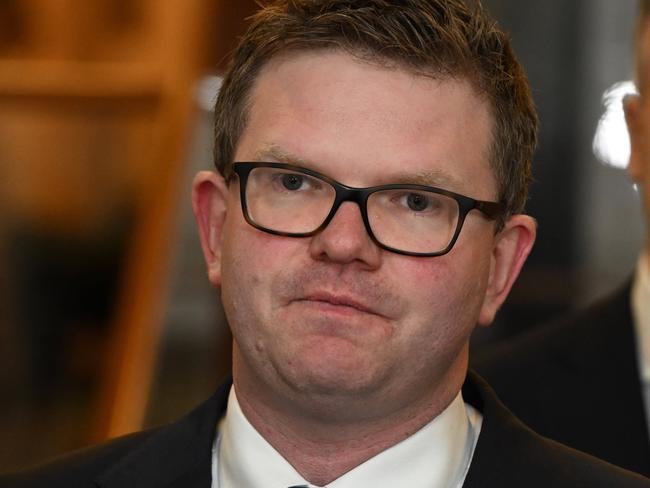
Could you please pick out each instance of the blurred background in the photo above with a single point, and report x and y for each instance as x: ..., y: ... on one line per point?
x: 107, y: 321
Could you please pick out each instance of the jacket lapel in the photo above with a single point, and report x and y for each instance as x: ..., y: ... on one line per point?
x: 491, y: 462
x: 175, y: 456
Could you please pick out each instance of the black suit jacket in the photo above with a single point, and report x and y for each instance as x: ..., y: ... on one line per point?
x: 578, y: 381
x: 507, y: 454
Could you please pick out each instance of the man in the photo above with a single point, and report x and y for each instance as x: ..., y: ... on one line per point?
x: 585, y: 380
x: 373, y: 159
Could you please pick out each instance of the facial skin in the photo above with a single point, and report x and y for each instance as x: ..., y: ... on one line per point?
x: 637, y: 114
x: 335, y: 338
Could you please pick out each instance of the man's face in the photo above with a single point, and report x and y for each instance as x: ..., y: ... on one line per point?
x: 333, y: 315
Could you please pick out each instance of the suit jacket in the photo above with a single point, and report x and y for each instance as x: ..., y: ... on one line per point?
x: 508, y: 454
x: 578, y: 381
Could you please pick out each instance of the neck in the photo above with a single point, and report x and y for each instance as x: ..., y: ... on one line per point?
x: 323, y: 442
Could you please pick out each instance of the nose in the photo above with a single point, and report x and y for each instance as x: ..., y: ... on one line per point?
x: 345, y: 239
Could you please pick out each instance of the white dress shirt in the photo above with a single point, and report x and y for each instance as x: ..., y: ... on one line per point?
x: 438, y: 455
x: 641, y: 318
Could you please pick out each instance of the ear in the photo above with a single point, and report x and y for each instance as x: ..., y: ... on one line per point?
x: 210, y: 204
x: 511, y: 248
x: 634, y: 120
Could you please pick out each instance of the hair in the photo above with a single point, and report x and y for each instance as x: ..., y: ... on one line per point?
x: 643, y: 21
x: 436, y: 38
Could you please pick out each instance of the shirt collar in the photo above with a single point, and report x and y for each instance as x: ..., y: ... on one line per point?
x: 436, y: 455
x: 641, y: 313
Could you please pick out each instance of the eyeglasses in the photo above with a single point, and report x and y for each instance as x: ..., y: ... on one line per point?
x: 410, y: 219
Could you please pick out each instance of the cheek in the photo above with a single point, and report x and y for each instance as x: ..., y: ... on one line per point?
x: 449, y: 289
x: 442, y: 298
x: 251, y: 262
x: 241, y: 291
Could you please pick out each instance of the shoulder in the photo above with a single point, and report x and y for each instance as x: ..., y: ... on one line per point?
x: 180, y: 451
x: 77, y: 468
x: 508, y: 453
x: 535, y: 461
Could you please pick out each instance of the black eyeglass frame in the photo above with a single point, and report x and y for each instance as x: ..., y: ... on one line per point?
x: 344, y: 193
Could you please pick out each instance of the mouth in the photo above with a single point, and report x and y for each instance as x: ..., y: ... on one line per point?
x: 336, y: 302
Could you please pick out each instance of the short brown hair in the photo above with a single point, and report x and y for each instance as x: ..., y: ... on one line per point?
x: 438, y: 38
x: 641, y: 64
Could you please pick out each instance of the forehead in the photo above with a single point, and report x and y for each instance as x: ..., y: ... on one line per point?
x: 357, y: 121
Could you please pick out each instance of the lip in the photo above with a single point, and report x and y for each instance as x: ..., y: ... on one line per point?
x: 339, y: 300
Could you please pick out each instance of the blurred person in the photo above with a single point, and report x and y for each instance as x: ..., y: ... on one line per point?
x: 584, y: 379
x: 373, y: 161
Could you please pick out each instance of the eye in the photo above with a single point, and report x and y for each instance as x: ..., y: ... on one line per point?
x: 417, y: 202
x: 292, y: 181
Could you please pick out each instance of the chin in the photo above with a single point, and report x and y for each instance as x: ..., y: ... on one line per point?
x: 334, y: 373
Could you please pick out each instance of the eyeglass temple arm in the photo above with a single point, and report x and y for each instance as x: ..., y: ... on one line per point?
x: 492, y: 210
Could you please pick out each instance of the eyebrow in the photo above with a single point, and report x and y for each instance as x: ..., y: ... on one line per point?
x: 433, y: 177
x: 274, y: 153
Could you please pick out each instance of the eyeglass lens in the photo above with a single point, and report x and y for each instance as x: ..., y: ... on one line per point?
x: 292, y: 202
